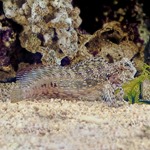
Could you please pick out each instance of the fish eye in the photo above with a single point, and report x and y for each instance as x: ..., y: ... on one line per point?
x: 126, y: 64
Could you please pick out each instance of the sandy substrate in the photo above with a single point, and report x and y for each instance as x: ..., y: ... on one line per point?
x: 66, y: 125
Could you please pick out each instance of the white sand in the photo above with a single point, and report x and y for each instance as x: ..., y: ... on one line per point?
x: 66, y: 125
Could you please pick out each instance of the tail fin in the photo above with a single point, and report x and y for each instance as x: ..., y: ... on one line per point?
x: 25, y: 79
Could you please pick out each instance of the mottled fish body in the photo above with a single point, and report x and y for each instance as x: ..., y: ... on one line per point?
x: 93, y: 79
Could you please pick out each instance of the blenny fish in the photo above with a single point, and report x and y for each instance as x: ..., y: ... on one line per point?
x: 92, y: 79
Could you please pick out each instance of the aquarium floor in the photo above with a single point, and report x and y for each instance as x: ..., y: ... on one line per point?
x: 71, y: 125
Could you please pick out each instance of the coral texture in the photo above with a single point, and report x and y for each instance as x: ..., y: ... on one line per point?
x: 49, y: 26
x: 7, y: 48
x: 111, y: 43
x: 147, y: 52
x: 93, y: 79
x: 7, y: 40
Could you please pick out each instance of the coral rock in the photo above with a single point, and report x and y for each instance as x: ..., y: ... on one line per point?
x: 111, y: 43
x: 7, y: 40
x: 49, y: 26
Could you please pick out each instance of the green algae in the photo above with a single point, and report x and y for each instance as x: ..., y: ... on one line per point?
x: 132, y: 89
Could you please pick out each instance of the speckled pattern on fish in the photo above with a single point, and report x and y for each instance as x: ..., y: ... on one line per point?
x: 93, y: 79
